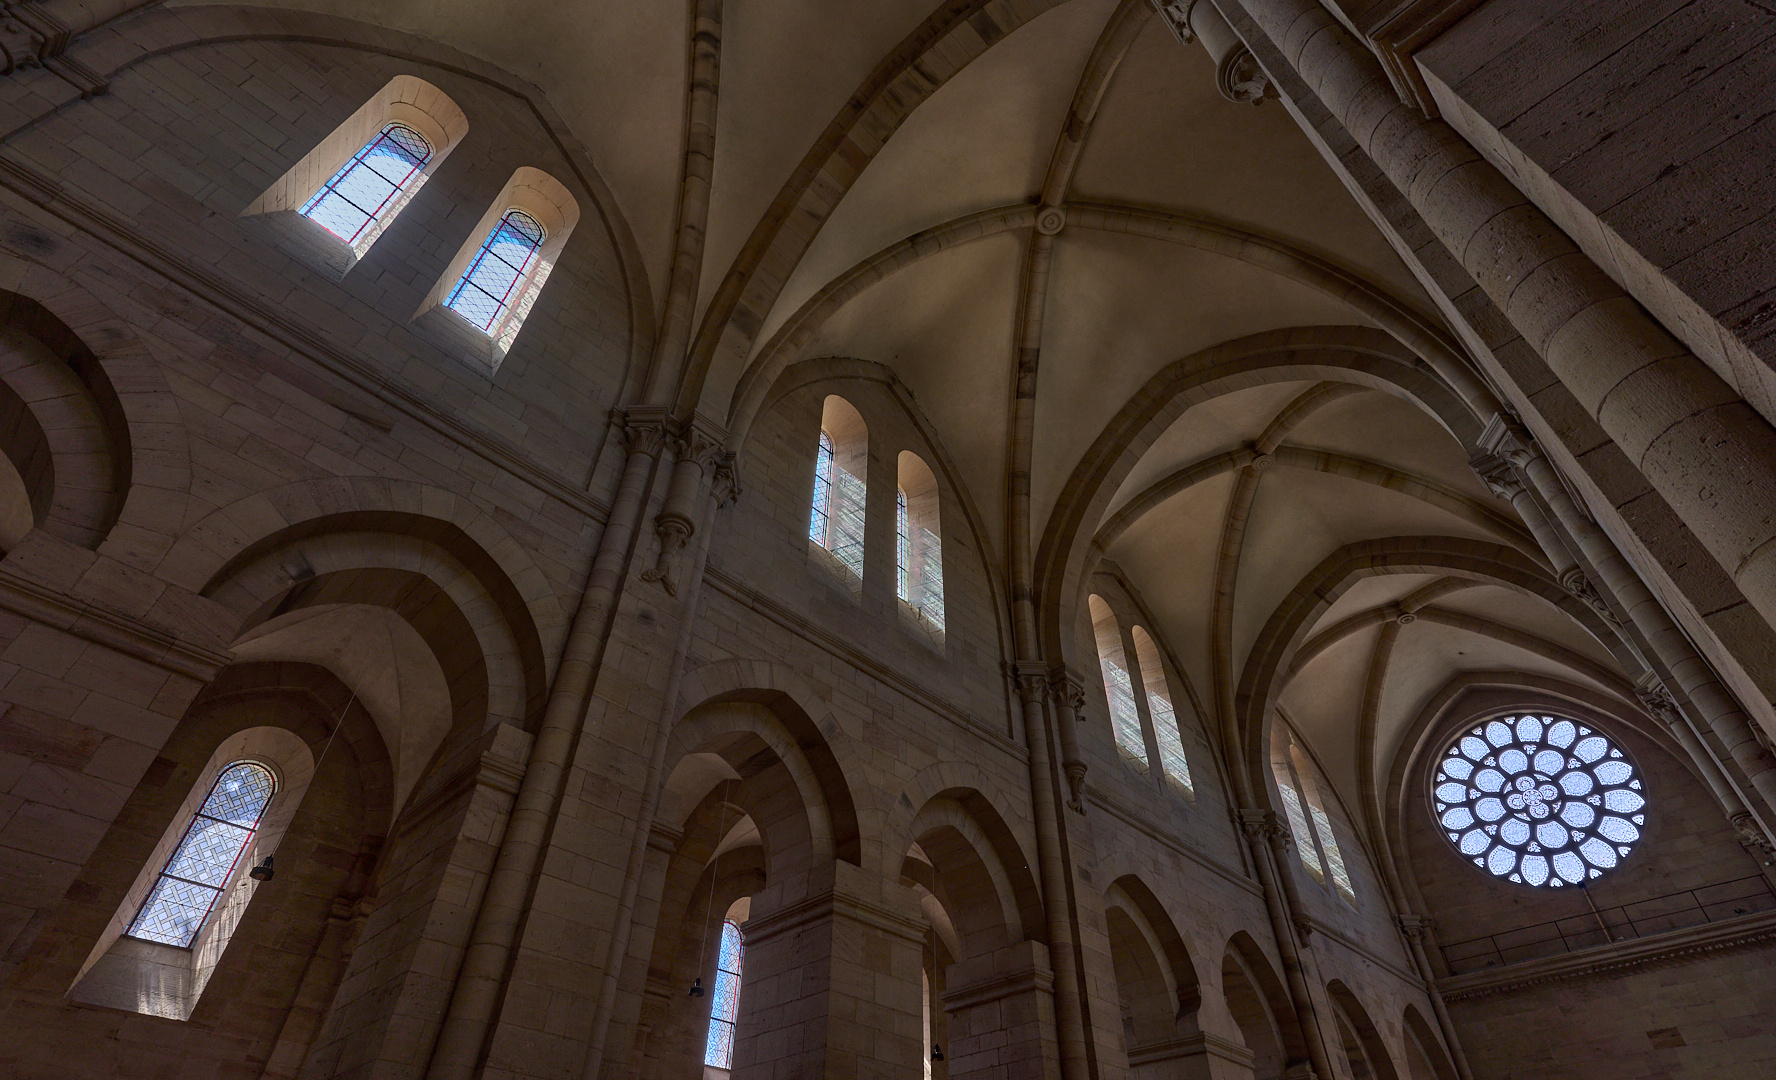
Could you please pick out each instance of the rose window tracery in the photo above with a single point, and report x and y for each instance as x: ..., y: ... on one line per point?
x: 1539, y: 800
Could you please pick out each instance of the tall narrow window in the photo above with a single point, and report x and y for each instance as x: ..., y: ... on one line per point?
x: 1300, y: 785
x: 329, y: 207
x: 1125, y: 716
x: 370, y: 189
x: 724, y: 1005
x: 920, y: 555
x: 903, y: 548
x: 836, y: 519
x: 1159, y: 706
x: 820, y: 521
x: 205, y: 862
x: 496, y: 278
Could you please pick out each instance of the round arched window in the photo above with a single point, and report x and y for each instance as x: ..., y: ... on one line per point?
x: 1539, y: 800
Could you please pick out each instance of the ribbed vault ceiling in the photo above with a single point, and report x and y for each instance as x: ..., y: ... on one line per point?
x: 1347, y: 466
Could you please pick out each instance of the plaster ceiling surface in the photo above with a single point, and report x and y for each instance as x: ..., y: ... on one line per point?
x: 1371, y: 592
x: 1325, y: 703
x: 1164, y: 137
x: 1395, y: 432
x: 982, y: 140
x: 1121, y: 308
x: 944, y: 332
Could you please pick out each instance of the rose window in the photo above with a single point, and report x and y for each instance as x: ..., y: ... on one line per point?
x: 1539, y: 800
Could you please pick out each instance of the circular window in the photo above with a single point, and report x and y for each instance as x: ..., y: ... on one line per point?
x: 1539, y: 800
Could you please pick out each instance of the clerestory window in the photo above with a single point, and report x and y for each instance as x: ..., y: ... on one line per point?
x: 919, y: 543
x: 208, y: 857
x: 1166, y: 732
x: 1300, y: 785
x: 835, y: 519
x: 724, y: 1004
x: 499, y: 277
x: 1119, y: 689
x: 364, y: 196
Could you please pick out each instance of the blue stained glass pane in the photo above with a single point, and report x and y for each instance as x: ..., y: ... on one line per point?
x: 903, y: 548
x: 823, y: 470
x: 200, y: 867
x: 724, y: 1004
x: 495, y: 278
x: 369, y: 184
x: 174, y: 911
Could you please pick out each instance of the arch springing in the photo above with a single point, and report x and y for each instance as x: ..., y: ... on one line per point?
x: 724, y: 1004
x: 208, y: 857
x: 1539, y: 800
x: 363, y: 197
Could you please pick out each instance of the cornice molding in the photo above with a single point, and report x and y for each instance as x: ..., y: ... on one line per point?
x: 1606, y: 961
x: 1130, y: 817
x: 126, y: 634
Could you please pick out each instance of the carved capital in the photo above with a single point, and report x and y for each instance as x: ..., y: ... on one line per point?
x: 1752, y: 838
x: 1176, y: 16
x: 644, y: 429
x: 1657, y: 700
x: 1264, y: 825
x: 20, y: 45
x: 1415, y: 928
x: 1029, y: 680
x: 1069, y: 692
x: 1498, y: 474
x: 1506, y: 438
x: 1574, y: 581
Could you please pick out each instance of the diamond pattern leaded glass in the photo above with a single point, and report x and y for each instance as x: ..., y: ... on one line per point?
x: 724, y: 1004
x: 492, y: 282
x: 818, y: 521
x: 371, y: 187
x: 205, y: 860
x: 1539, y: 800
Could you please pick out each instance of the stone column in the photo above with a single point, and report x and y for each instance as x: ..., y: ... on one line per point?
x: 1701, y: 447
x: 1269, y: 842
x: 1718, y: 709
x: 1414, y: 929
x: 1000, y: 1008
x: 830, y: 984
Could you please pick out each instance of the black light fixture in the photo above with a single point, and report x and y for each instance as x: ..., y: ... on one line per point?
x: 697, y: 987
x: 263, y: 872
x: 936, y: 1052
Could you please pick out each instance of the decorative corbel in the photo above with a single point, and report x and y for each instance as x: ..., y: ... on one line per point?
x: 697, y: 448
x: 1069, y: 695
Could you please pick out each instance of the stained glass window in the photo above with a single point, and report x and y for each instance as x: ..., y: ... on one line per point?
x: 1159, y: 707
x: 370, y: 190
x: 821, y: 519
x: 496, y: 279
x: 903, y: 548
x: 724, y: 1004
x: 1304, y: 796
x: 1539, y: 800
x: 204, y: 863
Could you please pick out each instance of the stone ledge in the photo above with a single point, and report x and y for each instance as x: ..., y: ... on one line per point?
x: 1676, y: 947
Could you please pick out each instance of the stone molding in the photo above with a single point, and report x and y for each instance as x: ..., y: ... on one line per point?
x: 809, y: 910
x: 133, y: 637
x: 998, y: 988
x: 1399, y: 29
x: 748, y: 597
x: 1605, y: 961
x: 1198, y: 1045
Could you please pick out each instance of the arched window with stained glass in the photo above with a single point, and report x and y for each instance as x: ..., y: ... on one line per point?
x: 497, y: 281
x: 207, y: 860
x: 1119, y: 689
x: 841, y: 462
x: 363, y: 197
x: 724, y: 1004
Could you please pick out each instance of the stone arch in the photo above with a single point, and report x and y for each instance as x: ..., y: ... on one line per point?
x: 1261, y: 1008
x: 1348, y: 354
x: 1365, y: 1051
x: 258, y: 523
x: 899, y: 830
x: 1425, y: 1057
x: 94, y: 431
x: 1155, y: 979
x: 1260, y: 681
x: 809, y: 732
x: 160, y: 31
